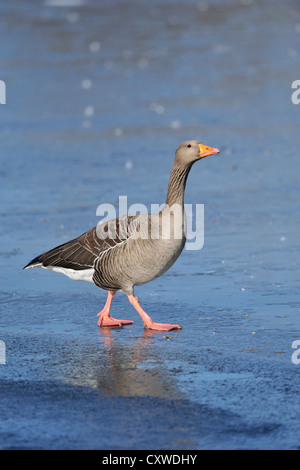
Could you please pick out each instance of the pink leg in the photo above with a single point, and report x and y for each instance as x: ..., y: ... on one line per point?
x: 148, y: 321
x: 105, y: 319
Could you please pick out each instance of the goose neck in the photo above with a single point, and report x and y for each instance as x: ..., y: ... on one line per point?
x: 177, y: 185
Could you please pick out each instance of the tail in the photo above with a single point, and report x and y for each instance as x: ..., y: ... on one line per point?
x: 34, y: 263
x: 70, y: 255
x: 49, y: 258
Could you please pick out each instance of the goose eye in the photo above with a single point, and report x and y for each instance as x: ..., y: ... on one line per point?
x: 189, y: 146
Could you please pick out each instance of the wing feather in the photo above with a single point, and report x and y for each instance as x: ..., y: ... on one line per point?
x: 82, y: 252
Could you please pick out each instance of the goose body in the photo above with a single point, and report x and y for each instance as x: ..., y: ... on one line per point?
x: 133, y: 249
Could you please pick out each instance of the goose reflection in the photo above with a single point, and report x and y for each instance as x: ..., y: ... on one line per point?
x: 136, y: 368
x: 133, y: 366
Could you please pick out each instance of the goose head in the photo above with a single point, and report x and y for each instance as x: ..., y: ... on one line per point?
x: 192, y: 150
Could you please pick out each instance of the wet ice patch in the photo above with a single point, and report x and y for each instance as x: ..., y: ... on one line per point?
x: 175, y: 124
x: 118, y: 131
x: 216, y: 376
x: 148, y: 364
x: 64, y: 3
x: 157, y: 108
x: 72, y: 17
x: 128, y: 165
x: 94, y: 46
x: 89, y: 110
x: 86, y: 83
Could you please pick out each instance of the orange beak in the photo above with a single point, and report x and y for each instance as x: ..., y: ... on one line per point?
x: 205, y: 151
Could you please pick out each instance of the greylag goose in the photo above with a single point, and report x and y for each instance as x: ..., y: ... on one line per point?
x: 132, y: 249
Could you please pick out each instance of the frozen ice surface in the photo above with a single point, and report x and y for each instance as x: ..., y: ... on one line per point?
x: 219, y: 71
